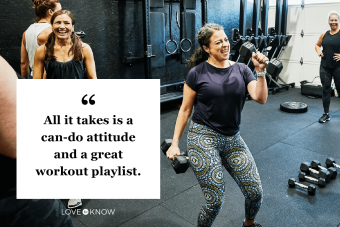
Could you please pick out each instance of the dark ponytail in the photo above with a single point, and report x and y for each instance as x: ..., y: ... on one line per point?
x: 204, y: 35
x: 76, y: 47
x: 49, y: 45
x: 198, y: 57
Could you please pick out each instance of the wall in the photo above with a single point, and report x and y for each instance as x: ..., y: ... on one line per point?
x: 113, y: 29
x: 312, y: 19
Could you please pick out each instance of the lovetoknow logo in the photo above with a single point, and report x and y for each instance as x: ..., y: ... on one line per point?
x: 88, y: 212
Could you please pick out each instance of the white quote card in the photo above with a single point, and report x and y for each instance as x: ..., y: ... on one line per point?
x: 88, y: 139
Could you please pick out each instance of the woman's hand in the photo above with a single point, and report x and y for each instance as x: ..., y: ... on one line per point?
x: 320, y: 54
x: 319, y: 44
x: 336, y: 57
x: 172, y: 152
x: 259, y: 61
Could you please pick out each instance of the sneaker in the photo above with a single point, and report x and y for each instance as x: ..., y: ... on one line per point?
x: 325, y: 117
x: 255, y: 224
x: 74, y: 203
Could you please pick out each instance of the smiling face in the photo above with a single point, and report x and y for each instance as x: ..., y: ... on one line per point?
x: 333, y: 22
x: 62, y: 26
x: 219, y: 46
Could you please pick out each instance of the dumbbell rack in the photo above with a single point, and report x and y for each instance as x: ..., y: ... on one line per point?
x: 278, y: 42
x: 154, y: 56
x: 263, y: 37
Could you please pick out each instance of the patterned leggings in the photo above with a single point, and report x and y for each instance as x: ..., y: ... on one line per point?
x: 208, y: 151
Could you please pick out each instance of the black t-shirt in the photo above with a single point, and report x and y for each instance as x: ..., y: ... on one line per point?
x: 220, y: 95
x: 331, y: 46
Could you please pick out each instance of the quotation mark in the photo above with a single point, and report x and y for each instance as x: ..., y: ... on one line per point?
x: 84, y: 101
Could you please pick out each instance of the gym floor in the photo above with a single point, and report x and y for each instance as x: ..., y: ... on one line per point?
x: 279, y: 142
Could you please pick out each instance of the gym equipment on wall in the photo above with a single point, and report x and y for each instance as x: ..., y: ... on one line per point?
x: 184, y: 37
x: 254, y: 31
x: 156, y: 3
x: 190, y: 4
x: 278, y: 42
x: 146, y: 36
x: 238, y: 35
x: 157, y: 39
x: 186, y: 48
x: 187, y: 33
x: 171, y: 40
x: 146, y: 44
x: 157, y: 50
x: 254, y: 34
x: 264, y: 26
x: 279, y: 32
x: 204, y: 12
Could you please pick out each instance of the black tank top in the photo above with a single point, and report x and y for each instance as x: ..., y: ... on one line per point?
x: 65, y: 70
x: 331, y: 45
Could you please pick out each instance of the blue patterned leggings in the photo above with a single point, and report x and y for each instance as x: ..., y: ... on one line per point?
x: 208, y: 151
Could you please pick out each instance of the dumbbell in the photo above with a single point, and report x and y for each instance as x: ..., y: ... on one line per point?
x: 321, y: 182
x: 180, y: 163
x: 310, y: 188
x: 305, y: 167
x: 330, y: 162
x: 274, y: 66
x: 317, y: 165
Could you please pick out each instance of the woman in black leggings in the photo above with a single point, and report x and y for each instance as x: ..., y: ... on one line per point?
x: 330, y: 65
x: 217, y: 88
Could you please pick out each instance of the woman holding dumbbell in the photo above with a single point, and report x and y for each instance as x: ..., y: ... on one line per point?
x: 64, y: 55
x: 330, y: 65
x: 217, y: 88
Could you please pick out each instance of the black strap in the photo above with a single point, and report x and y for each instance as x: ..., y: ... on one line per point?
x: 171, y: 39
x: 185, y: 37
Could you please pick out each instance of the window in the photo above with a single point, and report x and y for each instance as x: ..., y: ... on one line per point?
x: 320, y: 1
x: 298, y: 2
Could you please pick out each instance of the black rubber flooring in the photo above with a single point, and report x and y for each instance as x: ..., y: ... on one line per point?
x: 279, y: 142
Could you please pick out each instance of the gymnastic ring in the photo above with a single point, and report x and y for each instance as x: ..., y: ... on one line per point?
x: 180, y: 44
x: 166, y: 46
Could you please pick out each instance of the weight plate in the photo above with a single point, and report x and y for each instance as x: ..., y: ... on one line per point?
x: 294, y: 107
